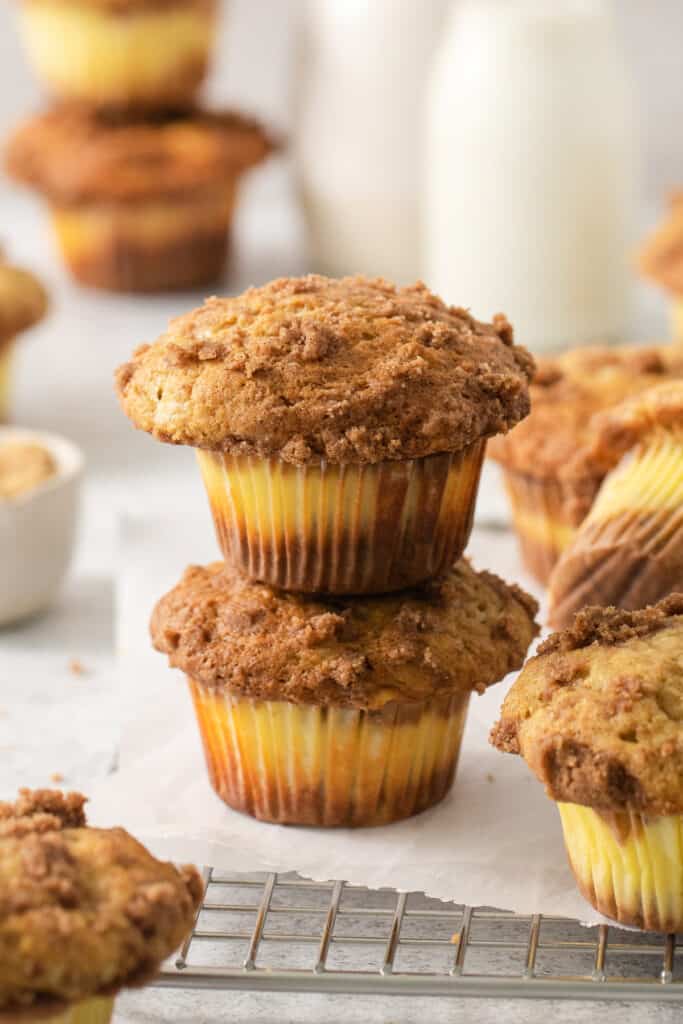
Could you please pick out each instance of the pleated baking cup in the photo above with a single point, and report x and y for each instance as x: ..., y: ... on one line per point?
x: 540, y: 521
x: 298, y: 764
x: 156, y: 56
x: 628, y: 552
x: 97, y: 1010
x: 6, y: 359
x: 347, y: 529
x: 148, y: 246
x: 630, y: 868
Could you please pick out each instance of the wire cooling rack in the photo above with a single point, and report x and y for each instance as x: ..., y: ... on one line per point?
x: 281, y: 933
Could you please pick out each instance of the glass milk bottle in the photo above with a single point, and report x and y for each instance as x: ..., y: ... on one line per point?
x: 529, y: 169
x: 358, y: 131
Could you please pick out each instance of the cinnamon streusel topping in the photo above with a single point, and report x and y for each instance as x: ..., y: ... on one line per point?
x: 83, y: 911
x: 457, y: 634
x: 350, y: 370
x: 598, y: 713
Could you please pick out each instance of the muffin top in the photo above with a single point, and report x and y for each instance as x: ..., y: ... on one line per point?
x: 568, y: 393
x: 457, y: 634
x: 661, y: 258
x: 616, y: 431
x: 598, y: 713
x: 24, y: 465
x: 83, y: 911
x: 131, y: 158
x: 351, y: 371
x: 23, y: 300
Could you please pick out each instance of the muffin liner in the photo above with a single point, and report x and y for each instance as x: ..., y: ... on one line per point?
x: 6, y: 356
x: 630, y: 868
x: 97, y: 1010
x: 299, y: 764
x: 148, y: 246
x: 540, y: 521
x: 628, y: 552
x: 154, y: 58
x: 348, y: 529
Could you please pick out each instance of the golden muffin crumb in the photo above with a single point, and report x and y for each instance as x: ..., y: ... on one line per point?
x: 24, y: 465
x: 351, y: 371
x: 83, y: 911
x: 598, y: 713
x: 139, y: 156
x: 457, y: 634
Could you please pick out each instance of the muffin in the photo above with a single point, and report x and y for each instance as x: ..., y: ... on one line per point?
x: 120, y: 54
x: 628, y: 551
x: 550, y: 486
x: 148, y: 203
x: 598, y: 717
x: 340, y: 425
x: 337, y: 712
x: 85, y: 911
x: 661, y: 260
x: 23, y: 303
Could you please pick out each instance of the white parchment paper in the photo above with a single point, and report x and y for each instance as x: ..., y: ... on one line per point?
x: 496, y: 840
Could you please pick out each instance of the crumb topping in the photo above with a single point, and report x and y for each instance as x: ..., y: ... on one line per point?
x: 460, y: 633
x: 351, y: 371
x: 568, y: 395
x: 83, y: 911
x: 132, y: 158
x: 598, y: 713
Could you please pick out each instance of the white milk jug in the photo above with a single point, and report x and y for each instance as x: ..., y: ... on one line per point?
x: 529, y: 169
x: 359, y: 131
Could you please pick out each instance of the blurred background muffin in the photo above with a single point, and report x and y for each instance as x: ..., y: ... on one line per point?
x: 331, y: 711
x: 661, y: 260
x: 148, y: 204
x: 120, y: 53
x: 340, y: 425
x: 549, y: 485
x: 85, y: 911
x: 628, y: 551
x: 23, y: 302
x: 598, y: 717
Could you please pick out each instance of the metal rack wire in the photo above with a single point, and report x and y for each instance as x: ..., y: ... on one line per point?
x: 281, y: 933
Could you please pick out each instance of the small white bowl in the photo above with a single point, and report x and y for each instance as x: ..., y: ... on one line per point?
x: 38, y: 530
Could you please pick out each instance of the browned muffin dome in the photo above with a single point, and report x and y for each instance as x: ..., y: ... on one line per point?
x: 136, y: 157
x: 461, y: 633
x: 83, y: 911
x: 598, y: 713
x: 350, y: 370
x: 567, y: 394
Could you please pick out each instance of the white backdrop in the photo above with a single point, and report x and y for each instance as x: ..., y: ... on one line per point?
x: 253, y: 63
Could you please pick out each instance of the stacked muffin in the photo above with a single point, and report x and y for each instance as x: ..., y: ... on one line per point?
x: 340, y: 427
x: 147, y: 202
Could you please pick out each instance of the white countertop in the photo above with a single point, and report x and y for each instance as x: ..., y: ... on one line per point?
x: 54, y: 721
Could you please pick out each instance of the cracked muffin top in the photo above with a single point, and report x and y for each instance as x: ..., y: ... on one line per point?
x: 350, y: 371
x: 23, y: 301
x: 457, y: 634
x: 131, y: 158
x: 83, y: 911
x: 598, y: 713
x: 568, y: 394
